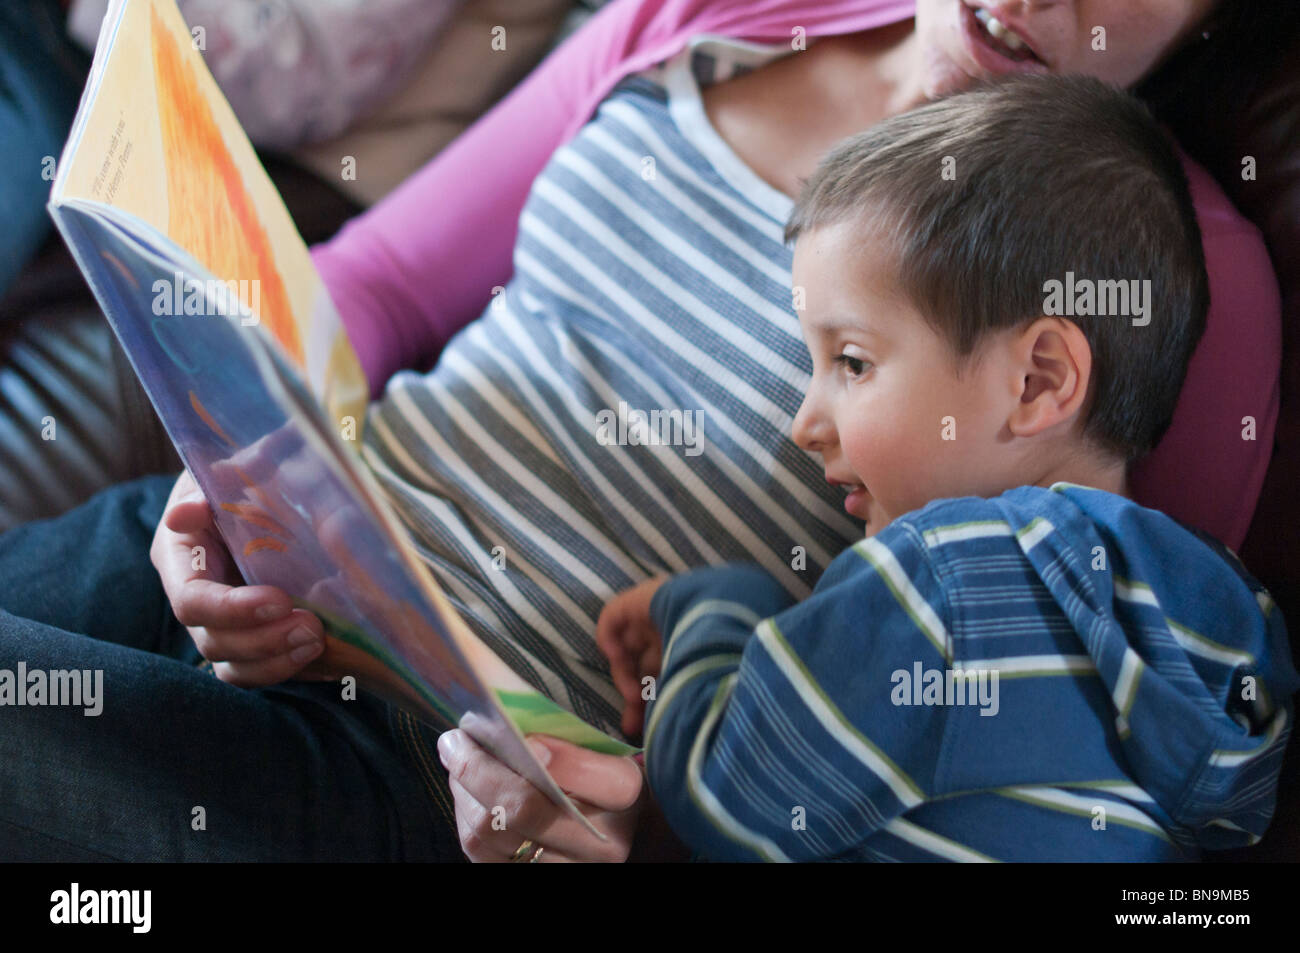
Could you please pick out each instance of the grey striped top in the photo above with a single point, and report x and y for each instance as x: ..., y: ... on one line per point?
x: 623, y: 407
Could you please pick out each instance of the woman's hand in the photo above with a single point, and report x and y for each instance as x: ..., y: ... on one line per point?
x: 252, y: 634
x: 608, y: 789
x: 628, y: 637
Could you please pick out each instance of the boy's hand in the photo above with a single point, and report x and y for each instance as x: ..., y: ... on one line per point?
x: 628, y: 637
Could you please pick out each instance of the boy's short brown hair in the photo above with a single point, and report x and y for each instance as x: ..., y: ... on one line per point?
x: 989, y: 195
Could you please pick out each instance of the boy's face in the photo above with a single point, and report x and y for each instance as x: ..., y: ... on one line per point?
x: 886, y: 410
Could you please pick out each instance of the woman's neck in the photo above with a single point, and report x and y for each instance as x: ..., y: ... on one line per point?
x: 887, y: 64
x: 783, y: 117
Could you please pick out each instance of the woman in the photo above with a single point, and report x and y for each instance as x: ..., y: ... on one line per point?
x: 648, y: 271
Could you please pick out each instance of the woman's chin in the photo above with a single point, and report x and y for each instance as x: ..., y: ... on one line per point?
x: 945, y: 72
x: 947, y: 83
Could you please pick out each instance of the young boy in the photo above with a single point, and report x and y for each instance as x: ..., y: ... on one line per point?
x: 1017, y: 662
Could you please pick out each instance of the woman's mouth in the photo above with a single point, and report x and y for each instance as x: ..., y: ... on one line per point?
x: 994, y: 46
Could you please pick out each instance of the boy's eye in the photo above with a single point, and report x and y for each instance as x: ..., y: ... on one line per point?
x: 856, y: 366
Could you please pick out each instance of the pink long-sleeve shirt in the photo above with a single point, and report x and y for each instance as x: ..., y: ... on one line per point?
x: 422, y: 263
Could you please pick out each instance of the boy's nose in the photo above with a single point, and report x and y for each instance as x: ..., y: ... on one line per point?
x: 810, y: 430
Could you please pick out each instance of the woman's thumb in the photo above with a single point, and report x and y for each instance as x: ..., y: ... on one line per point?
x: 190, y: 516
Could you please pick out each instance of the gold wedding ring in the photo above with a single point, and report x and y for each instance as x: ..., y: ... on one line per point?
x: 528, y: 853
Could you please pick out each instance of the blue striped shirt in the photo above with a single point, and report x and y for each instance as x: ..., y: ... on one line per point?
x: 649, y: 272
x: 1126, y: 693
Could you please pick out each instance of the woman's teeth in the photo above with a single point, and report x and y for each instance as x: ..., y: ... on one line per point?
x: 999, y: 32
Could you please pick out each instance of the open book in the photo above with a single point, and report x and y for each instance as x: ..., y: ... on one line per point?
x: 207, y: 284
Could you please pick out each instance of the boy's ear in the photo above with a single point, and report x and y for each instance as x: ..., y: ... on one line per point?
x: 1054, y: 364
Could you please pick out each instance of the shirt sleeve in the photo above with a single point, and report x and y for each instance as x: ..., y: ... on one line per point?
x: 422, y: 263
x: 794, y: 733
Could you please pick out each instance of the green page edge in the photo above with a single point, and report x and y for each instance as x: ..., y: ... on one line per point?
x: 534, y: 713
x: 530, y: 711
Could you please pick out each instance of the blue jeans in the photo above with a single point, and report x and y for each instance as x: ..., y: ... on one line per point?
x: 41, y: 76
x: 289, y: 772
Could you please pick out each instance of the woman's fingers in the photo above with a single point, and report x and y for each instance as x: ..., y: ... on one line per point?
x: 479, y: 839
x: 299, y: 633
x: 265, y: 654
x: 201, y: 601
x: 607, y: 782
x: 229, y: 626
x: 271, y: 671
x: 251, y: 634
x: 496, y: 798
x: 491, y: 833
x: 497, y: 810
x: 186, y: 547
x: 189, y: 516
x: 198, y: 574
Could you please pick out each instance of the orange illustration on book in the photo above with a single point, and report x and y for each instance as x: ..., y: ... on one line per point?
x: 227, y: 238
x: 249, y: 512
x: 255, y: 515
x: 261, y: 543
x: 122, y: 270
x: 208, y: 419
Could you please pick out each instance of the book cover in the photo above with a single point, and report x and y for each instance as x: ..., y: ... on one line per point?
x: 213, y: 295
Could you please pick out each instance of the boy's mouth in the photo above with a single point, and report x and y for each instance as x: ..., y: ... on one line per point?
x: 855, y: 503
